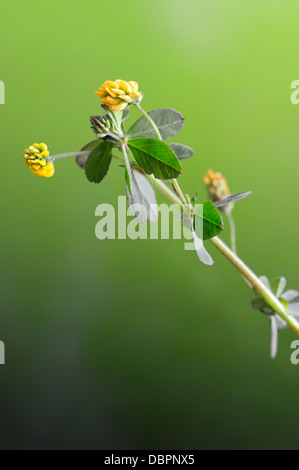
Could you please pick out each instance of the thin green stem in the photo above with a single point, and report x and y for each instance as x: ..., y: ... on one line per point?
x: 124, y: 148
x: 244, y: 270
x: 150, y: 121
x: 174, y: 181
x: 118, y: 157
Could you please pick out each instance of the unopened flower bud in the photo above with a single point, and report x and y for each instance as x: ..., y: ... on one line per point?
x: 100, y: 125
x: 216, y: 185
x: 119, y: 94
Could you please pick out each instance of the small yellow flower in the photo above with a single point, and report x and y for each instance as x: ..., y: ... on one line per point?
x: 119, y: 94
x: 36, y: 158
x: 216, y: 186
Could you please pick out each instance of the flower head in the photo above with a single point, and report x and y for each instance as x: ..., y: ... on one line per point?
x: 216, y: 185
x: 119, y: 94
x: 37, y: 159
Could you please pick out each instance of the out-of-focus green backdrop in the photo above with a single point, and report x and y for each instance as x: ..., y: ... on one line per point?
x: 135, y: 344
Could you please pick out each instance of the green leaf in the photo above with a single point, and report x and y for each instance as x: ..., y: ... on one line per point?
x: 155, y: 157
x: 182, y: 151
x: 168, y: 121
x: 81, y: 160
x: 284, y: 303
x: 231, y: 199
x: 207, y: 221
x: 98, y: 162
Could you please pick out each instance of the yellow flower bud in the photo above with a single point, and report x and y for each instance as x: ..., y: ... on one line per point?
x: 36, y: 158
x: 119, y: 94
x: 216, y: 186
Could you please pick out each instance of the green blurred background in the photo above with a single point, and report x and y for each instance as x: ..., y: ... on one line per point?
x: 135, y: 344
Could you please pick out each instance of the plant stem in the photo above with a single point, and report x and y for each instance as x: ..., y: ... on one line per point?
x: 174, y: 181
x: 244, y: 270
x: 232, y: 226
x: 124, y: 148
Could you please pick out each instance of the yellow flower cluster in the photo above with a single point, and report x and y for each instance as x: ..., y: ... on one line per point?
x: 119, y: 94
x: 216, y: 185
x: 36, y: 158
